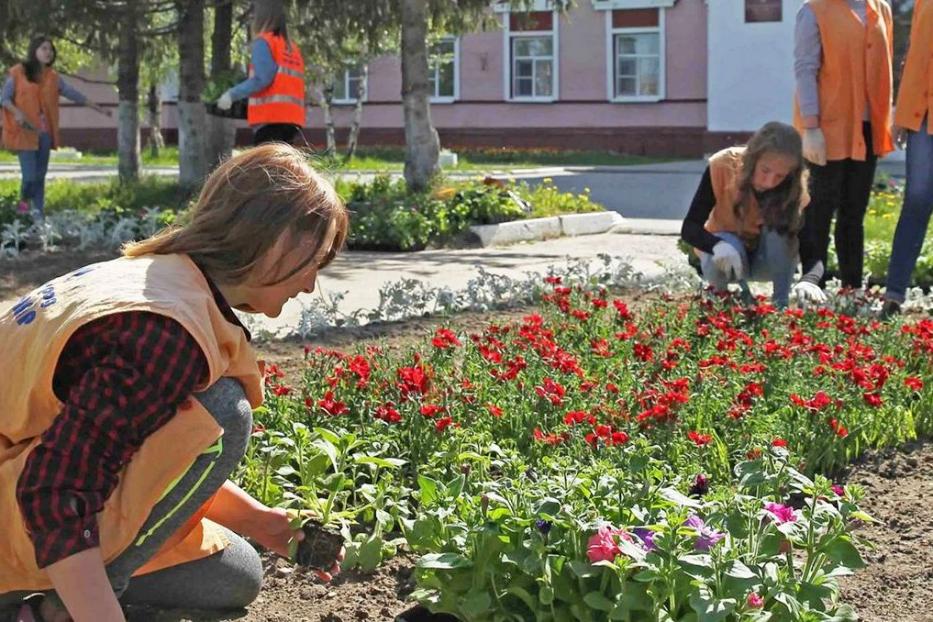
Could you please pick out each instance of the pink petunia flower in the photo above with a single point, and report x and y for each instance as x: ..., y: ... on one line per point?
x: 781, y: 513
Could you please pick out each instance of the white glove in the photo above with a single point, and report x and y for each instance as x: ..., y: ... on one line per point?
x: 225, y: 101
x: 807, y: 292
x: 814, y: 146
x: 728, y: 260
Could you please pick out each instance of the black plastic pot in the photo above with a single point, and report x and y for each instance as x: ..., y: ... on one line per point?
x: 421, y: 614
x: 237, y: 110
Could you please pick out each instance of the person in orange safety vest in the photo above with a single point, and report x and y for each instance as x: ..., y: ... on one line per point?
x: 276, y: 86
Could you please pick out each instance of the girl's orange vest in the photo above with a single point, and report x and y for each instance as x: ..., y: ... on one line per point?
x: 725, y: 171
x: 283, y: 101
x: 35, y: 330
x: 32, y: 98
x: 915, y: 95
x: 856, y: 63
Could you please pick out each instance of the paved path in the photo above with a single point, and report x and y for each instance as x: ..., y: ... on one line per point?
x: 661, y: 190
x: 362, y: 274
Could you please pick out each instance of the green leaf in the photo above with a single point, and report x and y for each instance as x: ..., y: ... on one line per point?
x: 678, y: 498
x: 370, y: 555
x: 596, y: 600
x: 329, y: 450
x: 843, y: 552
x: 739, y: 570
x: 476, y: 603
x: 428, y: 489
x: 523, y: 595
x: 710, y: 609
x: 546, y: 595
x: 384, y: 463
x: 443, y: 561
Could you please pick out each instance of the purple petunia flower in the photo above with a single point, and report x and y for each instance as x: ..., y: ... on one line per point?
x: 647, y: 538
x: 707, y: 537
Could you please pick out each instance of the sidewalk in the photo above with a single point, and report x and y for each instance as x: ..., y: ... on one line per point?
x: 362, y: 274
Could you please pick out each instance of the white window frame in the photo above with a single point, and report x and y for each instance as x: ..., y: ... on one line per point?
x: 609, y: 5
x: 447, y: 99
x: 611, y: 58
x: 346, y: 89
x: 508, y: 36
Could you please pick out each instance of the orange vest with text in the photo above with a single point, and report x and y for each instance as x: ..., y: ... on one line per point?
x: 915, y: 94
x: 283, y: 101
x: 34, y: 332
x: 725, y: 171
x: 32, y: 98
x: 856, y: 65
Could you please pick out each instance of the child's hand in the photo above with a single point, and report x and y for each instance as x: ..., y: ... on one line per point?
x: 273, y: 531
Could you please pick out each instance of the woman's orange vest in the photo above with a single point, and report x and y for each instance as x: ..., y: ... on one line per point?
x: 33, y: 333
x: 725, y: 171
x: 283, y: 101
x: 856, y: 64
x: 32, y: 98
x: 915, y: 94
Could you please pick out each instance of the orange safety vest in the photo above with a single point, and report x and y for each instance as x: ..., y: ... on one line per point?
x: 35, y: 330
x: 725, y: 171
x: 915, y: 94
x: 283, y: 101
x: 856, y: 62
x: 32, y: 98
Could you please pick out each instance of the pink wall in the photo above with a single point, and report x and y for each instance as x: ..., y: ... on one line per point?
x: 582, y: 76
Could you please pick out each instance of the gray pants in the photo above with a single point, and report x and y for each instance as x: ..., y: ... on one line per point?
x: 229, y: 579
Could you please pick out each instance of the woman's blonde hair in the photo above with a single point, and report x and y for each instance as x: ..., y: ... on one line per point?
x: 246, y: 206
x: 780, y: 207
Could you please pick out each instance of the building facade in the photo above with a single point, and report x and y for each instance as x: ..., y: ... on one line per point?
x: 655, y: 77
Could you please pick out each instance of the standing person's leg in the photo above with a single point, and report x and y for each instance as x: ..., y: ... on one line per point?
x: 42, y: 168
x: 776, y: 260
x: 27, y: 167
x: 275, y: 133
x: 711, y: 272
x: 915, y: 214
x: 825, y: 197
x: 850, y: 222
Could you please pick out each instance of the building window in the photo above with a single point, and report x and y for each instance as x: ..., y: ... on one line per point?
x: 763, y: 11
x: 532, y: 45
x: 637, y: 48
x: 347, y: 85
x: 443, y: 70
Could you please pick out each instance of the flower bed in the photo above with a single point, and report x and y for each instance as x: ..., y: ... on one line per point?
x: 595, y: 464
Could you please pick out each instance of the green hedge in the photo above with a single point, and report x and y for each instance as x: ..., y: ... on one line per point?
x: 384, y: 215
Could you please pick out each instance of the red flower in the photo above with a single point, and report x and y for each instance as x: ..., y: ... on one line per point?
x: 549, y: 439
x: 601, y: 348
x: 281, y: 390
x: 699, y: 439
x: 413, y: 380
x: 429, y: 410
x: 494, y: 410
x: 574, y: 417
x: 360, y: 366
x: 388, y: 413
x: 445, y: 338
x: 331, y: 406
x: 443, y: 423
x: 643, y: 352
x: 552, y: 391
x: 580, y: 314
x: 622, y: 309
x: 552, y: 280
x: 913, y: 383
x: 872, y: 399
x: 779, y: 442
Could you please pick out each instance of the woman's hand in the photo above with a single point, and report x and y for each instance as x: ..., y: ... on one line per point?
x: 273, y: 531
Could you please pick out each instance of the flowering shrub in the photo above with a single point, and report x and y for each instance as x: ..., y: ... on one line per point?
x: 597, y: 462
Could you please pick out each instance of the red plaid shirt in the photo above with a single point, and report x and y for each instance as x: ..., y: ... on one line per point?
x: 121, y: 378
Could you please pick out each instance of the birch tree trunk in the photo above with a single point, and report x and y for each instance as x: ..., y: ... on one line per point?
x: 354, y: 137
x: 192, y: 122
x: 422, y: 145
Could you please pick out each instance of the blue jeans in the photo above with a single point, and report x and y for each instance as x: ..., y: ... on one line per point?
x: 915, y: 213
x: 34, y: 165
x: 774, y: 260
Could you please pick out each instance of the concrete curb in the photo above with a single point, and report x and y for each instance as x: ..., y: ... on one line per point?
x: 546, y: 228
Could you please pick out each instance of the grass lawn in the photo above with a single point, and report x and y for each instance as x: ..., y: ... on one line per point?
x: 392, y: 159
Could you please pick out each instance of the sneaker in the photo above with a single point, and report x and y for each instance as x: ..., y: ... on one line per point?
x: 890, y: 309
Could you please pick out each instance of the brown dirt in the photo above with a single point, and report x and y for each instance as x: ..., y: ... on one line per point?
x: 897, y: 585
x: 20, y: 275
